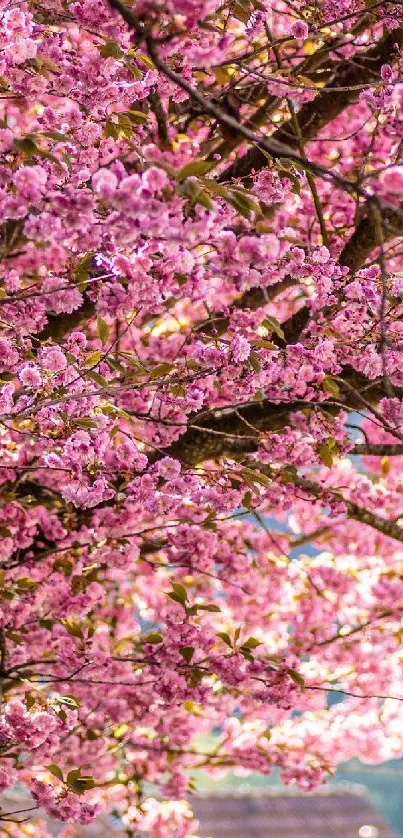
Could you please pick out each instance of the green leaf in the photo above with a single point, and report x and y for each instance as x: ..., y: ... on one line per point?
x: 110, y: 49
x: 133, y: 70
x: 138, y: 117
x: 272, y: 325
x: 85, y: 422
x: 330, y: 386
x: 64, y: 566
x: 216, y: 188
x: 187, y: 653
x: 16, y: 638
x: 288, y: 474
x: 247, y: 200
x: 296, y: 677
x: 26, y: 146
x: 191, y: 610
x: 286, y: 163
x: 143, y: 57
x: 252, y: 643
x: 247, y: 499
x: 77, y: 783
x: 80, y: 581
x: 56, y: 771
x: 247, y: 654
x: 25, y: 584
x: 153, y: 637
x: 196, y: 677
x: 178, y: 390
x: 180, y: 590
x: 5, y: 532
x: 255, y: 476
x: 197, y: 167
x: 241, y: 10
x: 240, y: 203
x: 325, y: 454
x: 84, y: 266
x: 73, y: 627
x: 254, y: 361
x: 56, y: 135
x: 98, y: 378
x: 176, y: 598
x: 67, y: 159
x: 209, y: 607
x: 115, y: 365
x: 30, y: 701
x: 111, y: 129
x: 47, y: 623
x: 73, y: 775
x: 93, y: 359
x: 203, y: 199
x: 161, y: 370
x: 261, y: 343
x: 103, y: 329
x: 225, y: 637
x: 68, y: 700
x: 109, y: 409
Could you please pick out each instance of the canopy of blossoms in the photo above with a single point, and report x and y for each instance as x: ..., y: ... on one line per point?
x: 201, y: 399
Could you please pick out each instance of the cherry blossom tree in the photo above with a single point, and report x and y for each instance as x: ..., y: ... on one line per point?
x: 201, y: 399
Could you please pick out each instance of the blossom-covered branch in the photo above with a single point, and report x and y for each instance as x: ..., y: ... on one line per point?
x: 201, y: 304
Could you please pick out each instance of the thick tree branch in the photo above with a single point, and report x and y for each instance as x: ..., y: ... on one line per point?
x: 229, y: 432
x: 364, y: 68
x: 361, y: 242
x: 380, y: 449
x: 358, y: 513
x: 235, y: 431
x: 354, y: 511
x: 353, y: 256
x: 314, y: 67
x: 271, y: 145
x: 364, y: 239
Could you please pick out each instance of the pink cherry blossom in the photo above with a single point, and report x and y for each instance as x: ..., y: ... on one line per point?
x: 201, y: 399
x: 299, y: 29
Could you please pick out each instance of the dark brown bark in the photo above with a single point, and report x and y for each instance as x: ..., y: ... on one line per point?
x: 364, y: 239
x: 59, y: 325
x: 237, y: 431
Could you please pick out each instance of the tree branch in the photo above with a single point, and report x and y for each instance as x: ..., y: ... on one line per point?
x: 354, y: 511
x: 385, y: 449
x: 313, y: 116
x: 313, y: 67
x: 272, y: 145
x: 239, y: 430
x: 364, y: 238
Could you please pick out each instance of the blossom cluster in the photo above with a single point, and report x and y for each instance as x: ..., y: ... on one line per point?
x: 200, y: 374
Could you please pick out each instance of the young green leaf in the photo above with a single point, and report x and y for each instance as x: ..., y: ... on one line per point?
x: 103, y: 330
x: 195, y: 168
x: 187, y: 653
x: 56, y: 771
